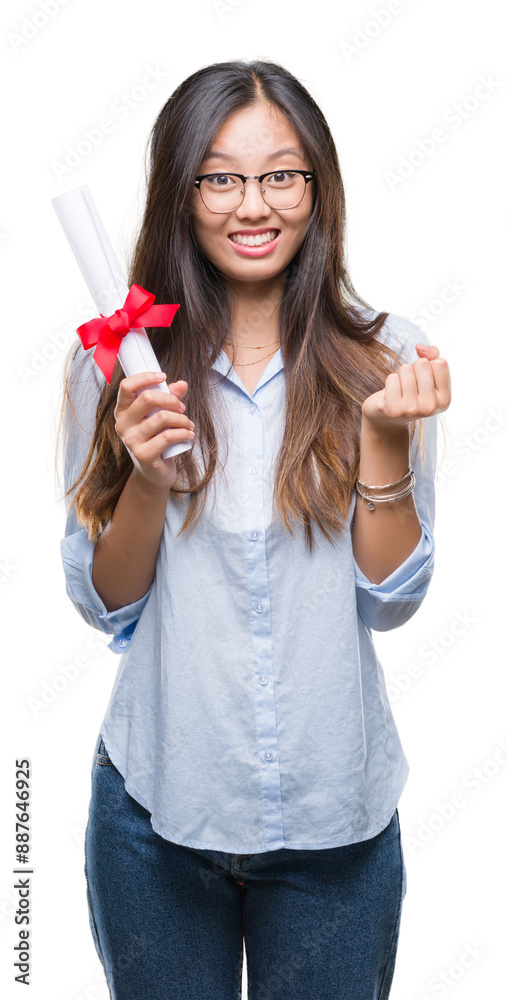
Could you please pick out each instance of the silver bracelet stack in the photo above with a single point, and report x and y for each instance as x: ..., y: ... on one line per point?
x: 403, y: 491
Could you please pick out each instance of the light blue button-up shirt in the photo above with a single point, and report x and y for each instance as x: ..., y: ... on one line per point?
x: 249, y: 710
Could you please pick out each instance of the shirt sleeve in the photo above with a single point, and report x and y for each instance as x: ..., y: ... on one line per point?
x: 389, y: 604
x: 77, y: 550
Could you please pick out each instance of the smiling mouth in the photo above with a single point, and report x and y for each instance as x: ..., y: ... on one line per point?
x: 255, y: 241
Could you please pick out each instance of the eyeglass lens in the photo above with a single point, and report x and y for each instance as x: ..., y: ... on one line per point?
x: 224, y: 192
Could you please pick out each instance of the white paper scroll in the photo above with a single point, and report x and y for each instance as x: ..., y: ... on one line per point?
x: 101, y: 270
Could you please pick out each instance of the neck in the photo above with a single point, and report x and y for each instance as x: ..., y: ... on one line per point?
x: 255, y: 308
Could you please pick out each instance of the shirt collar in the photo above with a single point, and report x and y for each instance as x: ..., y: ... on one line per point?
x: 222, y: 364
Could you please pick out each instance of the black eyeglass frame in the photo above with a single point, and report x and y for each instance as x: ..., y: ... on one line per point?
x: 308, y: 175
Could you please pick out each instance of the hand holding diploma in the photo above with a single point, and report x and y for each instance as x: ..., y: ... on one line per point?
x: 144, y: 436
x: 120, y: 333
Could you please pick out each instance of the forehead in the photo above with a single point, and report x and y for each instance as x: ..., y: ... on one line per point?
x: 254, y: 133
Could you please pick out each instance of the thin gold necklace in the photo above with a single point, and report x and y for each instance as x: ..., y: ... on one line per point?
x: 245, y: 364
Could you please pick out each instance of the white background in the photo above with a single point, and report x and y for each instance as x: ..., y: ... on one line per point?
x: 441, y: 227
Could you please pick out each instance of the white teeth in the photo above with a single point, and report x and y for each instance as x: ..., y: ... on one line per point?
x: 254, y: 241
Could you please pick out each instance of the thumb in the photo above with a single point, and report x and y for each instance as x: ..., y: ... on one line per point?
x: 427, y: 351
x: 178, y: 388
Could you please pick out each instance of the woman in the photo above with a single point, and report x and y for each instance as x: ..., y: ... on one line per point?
x: 247, y: 772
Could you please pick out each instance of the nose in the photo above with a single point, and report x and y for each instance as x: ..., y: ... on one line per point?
x: 253, y: 205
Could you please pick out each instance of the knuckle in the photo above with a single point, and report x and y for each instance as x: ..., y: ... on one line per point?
x: 161, y: 417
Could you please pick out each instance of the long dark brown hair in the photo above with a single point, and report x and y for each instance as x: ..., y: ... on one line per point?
x: 332, y: 359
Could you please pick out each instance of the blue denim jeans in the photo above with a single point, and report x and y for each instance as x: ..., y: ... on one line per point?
x: 169, y: 921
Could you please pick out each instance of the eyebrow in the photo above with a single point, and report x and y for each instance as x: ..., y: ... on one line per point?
x: 217, y: 154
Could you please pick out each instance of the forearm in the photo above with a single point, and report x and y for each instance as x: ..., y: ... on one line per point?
x: 383, y: 538
x: 126, y: 553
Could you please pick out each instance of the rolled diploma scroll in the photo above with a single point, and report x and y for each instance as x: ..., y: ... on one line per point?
x: 101, y: 270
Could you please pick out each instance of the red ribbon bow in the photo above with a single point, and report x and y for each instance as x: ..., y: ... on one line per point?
x: 107, y: 332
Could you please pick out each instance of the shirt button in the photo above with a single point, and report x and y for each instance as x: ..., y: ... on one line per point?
x: 122, y: 642
x: 254, y: 535
x: 259, y: 608
x: 252, y: 408
x: 268, y: 755
x: 263, y: 680
x: 252, y: 470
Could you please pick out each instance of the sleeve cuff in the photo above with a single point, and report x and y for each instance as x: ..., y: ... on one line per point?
x: 77, y: 555
x: 408, y: 581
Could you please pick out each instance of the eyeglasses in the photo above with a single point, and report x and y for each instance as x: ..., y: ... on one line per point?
x: 281, y: 189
